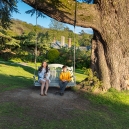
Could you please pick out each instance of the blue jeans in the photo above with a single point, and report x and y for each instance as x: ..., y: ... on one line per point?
x: 62, y: 86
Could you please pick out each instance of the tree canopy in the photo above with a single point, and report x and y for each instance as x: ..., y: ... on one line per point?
x: 7, y: 7
x: 56, y: 25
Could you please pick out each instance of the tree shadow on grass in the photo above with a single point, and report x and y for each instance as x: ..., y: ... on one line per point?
x: 9, y: 82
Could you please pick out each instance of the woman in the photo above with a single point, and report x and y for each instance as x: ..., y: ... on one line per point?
x: 43, y: 77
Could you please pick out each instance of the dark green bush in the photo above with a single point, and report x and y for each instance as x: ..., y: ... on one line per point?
x: 52, y: 55
x: 7, y: 55
x: 41, y: 58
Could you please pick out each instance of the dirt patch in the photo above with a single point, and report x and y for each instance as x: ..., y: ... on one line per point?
x: 47, y: 107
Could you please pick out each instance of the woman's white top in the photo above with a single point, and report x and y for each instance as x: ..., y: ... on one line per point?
x: 41, y: 75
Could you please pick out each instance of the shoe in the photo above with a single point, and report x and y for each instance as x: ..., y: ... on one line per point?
x: 42, y: 94
x: 61, y: 94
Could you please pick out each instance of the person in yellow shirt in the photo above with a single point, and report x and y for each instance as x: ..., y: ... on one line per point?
x: 65, y: 78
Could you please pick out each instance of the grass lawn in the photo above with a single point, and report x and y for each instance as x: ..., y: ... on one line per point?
x: 15, y: 75
x: 79, y: 77
x: 108, y: 111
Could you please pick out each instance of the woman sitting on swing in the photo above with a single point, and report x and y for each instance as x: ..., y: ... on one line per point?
x: 43, y: 77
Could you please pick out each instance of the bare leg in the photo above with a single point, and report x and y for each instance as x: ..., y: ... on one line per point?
x: 42, y: 86
x: 47, y: 85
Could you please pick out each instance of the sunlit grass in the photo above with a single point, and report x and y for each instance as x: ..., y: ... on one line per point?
x: 113, y: 99
x: 79, y: 77
x: 14, y: 75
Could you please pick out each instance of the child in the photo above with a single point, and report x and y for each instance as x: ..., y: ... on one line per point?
x: 65, y: 78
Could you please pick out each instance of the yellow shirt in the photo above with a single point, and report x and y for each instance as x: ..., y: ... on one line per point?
x: 65, y: 76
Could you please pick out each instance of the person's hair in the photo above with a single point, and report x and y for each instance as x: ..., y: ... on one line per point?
x: 41, y: 67
x: 64, y: 66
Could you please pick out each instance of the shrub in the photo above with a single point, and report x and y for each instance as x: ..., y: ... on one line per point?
x: 7, y: 55
x: 41, y: 58
x: 91, y: 80
x: 52, y: 55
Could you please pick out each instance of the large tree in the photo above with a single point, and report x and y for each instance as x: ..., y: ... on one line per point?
x: 110, y: 22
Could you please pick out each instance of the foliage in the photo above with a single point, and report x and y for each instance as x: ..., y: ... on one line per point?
x: 82, y: 57
x: 52, y: 55
x: 56, y: 25
x: 65, y: 57
x: 86, y: 1
x: 7, y: 7
x: 91, y: 80
x: 43, y: 42
x: 85, y: 39
x: 34, y: 11
x: 7, y: 42
x: 23, y: 37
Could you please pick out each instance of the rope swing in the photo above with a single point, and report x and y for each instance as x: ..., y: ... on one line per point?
x: 74, y: 57
x: 35, y: 53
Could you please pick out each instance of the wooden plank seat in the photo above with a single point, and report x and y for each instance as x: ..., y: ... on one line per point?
x: 55, y: 70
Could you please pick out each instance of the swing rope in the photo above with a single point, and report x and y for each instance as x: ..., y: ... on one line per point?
x: 36, y: 44
x: 74, y: 55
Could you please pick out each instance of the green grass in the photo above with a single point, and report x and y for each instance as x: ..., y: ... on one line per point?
x: 79, y: 74
x: 113, y: 99
x: 79, y: 71
x: 13, y: 116
x: 79, y: 77
x: 14, y: 75
x: 106, y: 111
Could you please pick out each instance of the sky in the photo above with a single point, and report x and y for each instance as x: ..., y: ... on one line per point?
x: 22, y: 7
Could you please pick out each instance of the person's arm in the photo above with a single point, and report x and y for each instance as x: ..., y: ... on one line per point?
x: 40, y: 75
x: 48, y: 74
x: 61, y: 77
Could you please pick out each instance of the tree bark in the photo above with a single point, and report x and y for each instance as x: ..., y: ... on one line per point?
x: 98, y: 60
x: 110, y: 46
x: 63, y: 11
x: 114, y: 33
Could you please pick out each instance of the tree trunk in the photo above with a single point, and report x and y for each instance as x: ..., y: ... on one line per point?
x: 98, y: 60
x: 110, y: 46
x: 114, y: 33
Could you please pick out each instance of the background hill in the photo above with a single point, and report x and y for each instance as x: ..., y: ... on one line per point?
x: 20, y: 27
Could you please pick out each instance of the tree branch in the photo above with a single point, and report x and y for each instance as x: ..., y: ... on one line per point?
x: 63, y: 11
